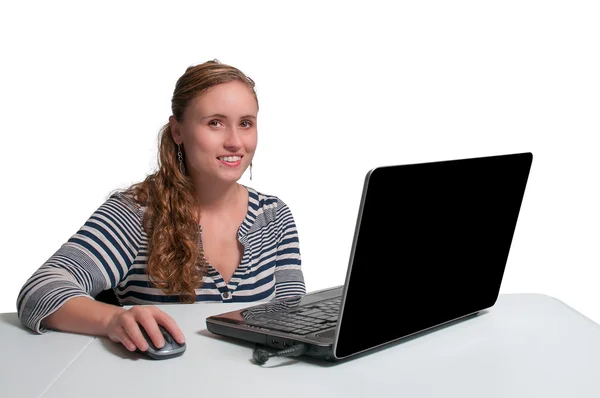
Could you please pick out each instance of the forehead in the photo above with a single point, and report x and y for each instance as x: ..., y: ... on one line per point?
x: 231, y: 98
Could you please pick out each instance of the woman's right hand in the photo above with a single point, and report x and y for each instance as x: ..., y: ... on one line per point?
x: 124, y: 327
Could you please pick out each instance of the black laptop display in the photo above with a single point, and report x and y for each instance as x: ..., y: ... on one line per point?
x: 431, y: 244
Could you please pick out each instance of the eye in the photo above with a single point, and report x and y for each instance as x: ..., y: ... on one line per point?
x: 246, y: 123
x: 215, y: 123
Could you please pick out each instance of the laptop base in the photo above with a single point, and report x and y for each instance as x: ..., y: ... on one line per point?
x: 271, y: 342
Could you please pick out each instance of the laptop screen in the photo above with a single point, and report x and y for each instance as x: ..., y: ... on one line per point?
x: 431, y: 247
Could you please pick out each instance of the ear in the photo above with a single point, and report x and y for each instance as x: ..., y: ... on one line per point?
x: 175, y: 130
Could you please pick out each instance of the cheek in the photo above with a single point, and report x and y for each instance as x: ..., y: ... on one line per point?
x: 202, y: 142
x: 250, y: 142
x: 199, y: 149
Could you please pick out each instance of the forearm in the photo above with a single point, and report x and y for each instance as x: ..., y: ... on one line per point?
x: 82, y: 315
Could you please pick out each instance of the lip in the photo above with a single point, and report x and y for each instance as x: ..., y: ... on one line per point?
x: 229, y: 164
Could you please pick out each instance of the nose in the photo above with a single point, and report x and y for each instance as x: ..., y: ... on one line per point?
x: 232, y: 139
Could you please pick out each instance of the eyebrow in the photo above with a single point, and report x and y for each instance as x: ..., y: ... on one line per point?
x: 219, y: 115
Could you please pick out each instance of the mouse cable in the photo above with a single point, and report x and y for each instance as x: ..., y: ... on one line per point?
x: 261, y: 355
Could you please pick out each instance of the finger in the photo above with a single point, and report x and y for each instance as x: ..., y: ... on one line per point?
x: 119, y: 335
x: 150, y: 325
x: 126, y: 341
x: 135, y: 334
x: 169, y: 323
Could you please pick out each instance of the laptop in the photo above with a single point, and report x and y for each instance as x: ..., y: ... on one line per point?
x: 430, y: 247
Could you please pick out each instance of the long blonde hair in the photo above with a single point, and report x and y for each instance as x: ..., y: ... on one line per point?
x: 176, y: 263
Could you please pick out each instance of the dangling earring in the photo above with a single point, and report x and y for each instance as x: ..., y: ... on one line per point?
x: 180, y: 158
x: 250, y: 171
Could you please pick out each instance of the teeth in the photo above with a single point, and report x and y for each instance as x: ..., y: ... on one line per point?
x: 230, y: 159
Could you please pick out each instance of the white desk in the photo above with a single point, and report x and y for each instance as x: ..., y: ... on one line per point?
x: 30, y: 363
x: 527, y: 345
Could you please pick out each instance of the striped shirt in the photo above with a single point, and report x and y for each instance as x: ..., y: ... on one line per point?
x: 110, y: 251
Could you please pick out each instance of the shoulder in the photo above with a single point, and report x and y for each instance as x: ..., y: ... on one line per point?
x: 123, y: 203
x: 268, y: 204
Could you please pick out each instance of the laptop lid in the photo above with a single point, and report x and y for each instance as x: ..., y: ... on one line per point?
x: 431, y: 245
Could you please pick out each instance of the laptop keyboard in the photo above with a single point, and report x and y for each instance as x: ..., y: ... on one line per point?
x: 301, y: 320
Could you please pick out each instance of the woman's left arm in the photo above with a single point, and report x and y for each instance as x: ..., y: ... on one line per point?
x: 289, y: 279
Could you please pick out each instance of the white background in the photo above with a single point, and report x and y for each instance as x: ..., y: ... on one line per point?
x: 343, y: 87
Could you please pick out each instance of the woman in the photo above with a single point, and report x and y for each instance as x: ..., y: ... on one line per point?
x: 187, y: 233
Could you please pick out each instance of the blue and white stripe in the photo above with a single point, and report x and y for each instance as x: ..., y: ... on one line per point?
x: 111, y: 249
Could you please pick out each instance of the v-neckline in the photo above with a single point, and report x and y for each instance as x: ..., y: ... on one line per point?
x: 242, y: 232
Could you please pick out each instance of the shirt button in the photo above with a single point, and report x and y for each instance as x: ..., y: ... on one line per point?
x: 225, y: 295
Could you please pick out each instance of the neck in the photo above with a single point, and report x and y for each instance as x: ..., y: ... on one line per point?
x: 217, y: 196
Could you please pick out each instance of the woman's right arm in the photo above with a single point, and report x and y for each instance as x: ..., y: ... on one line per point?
x: 83, y: 315
x: 59, y: 295
x: 87, y: 316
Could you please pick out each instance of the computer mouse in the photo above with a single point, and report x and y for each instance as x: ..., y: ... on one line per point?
x: 171, y: 349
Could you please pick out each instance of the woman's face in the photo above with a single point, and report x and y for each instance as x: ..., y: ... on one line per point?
x: 218, y: 132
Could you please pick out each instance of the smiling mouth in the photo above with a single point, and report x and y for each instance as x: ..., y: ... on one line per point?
x: 229, y: 159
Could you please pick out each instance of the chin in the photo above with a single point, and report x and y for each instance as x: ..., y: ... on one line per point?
x: 229, y: 177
